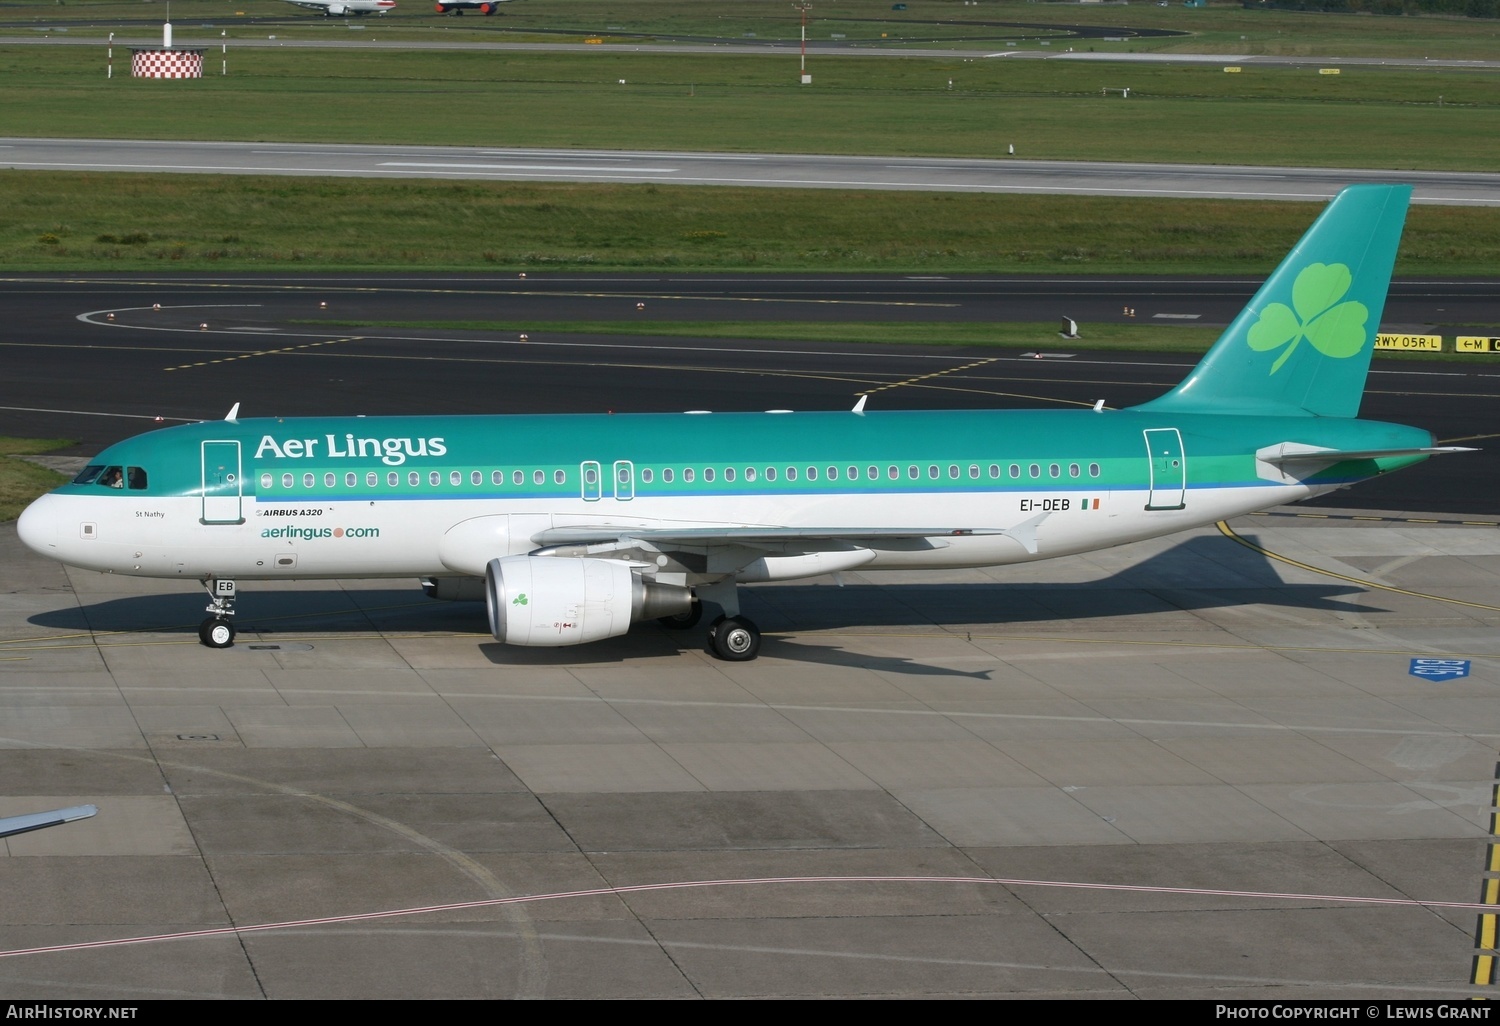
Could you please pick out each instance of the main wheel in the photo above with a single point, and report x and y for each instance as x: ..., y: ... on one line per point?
x: 682, y: 621
x: 735, y: 639
x: 216, y: 632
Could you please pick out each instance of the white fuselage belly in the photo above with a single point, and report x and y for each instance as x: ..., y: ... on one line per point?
x: 395, y: 538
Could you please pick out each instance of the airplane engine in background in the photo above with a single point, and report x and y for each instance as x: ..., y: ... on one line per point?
x: 336, y: 10
x: 550, y: 601
x: 454, y: 589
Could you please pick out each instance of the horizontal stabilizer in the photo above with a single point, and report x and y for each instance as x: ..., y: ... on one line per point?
x: 1294, y: 452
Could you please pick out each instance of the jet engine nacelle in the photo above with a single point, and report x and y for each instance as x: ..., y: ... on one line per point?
x: 550, y: 601
x: 337, y: 10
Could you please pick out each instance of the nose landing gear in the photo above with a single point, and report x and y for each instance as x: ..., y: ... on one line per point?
x: 217, y: 631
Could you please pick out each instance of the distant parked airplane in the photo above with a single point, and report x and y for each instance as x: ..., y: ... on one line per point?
x: 457, y: 7
x: 342, y: 8
x: 573, y: 527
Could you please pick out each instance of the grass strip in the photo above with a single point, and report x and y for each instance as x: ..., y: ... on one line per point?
x: 1226, y: 28
x: 1143, y: 337
x: 1017, y: 335
x: 77, y: 222
x: 21, y: 481
x: 1053, y: 110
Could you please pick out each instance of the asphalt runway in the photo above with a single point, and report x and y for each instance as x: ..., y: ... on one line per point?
x: 76, y: 373
x: 1199, y: 767
x: 771, y: 170
x: 815, y: 48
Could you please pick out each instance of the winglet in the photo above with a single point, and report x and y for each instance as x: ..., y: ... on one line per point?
x: 859, y: 407
x: 234, y: 413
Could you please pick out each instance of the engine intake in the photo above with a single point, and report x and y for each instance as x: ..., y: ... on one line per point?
x: 551, y: 601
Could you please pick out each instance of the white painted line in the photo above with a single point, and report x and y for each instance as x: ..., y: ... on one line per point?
x: 529, y: 167
x: 1176, y: 317
x: 95, y: 413
x: 88, y: 318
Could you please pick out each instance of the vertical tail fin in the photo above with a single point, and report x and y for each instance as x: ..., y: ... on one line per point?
x: 1302, y: 346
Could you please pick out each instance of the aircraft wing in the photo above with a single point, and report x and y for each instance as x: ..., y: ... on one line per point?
x: 745, y: 535
x: 599, y: 540
x: 12, y: 825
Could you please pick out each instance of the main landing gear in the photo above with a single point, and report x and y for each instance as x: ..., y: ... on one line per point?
x: 217, y: 631
x: 731, y: 637
x: 735, y: 639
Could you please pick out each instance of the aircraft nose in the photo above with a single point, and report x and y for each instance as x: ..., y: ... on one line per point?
x: 38, y: 526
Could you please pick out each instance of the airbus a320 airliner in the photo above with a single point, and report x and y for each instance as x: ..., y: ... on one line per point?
x: 574, y: 527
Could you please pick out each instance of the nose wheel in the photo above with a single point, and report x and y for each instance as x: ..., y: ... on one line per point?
x: 217, y: 631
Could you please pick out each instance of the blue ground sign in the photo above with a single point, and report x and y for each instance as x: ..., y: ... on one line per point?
x: 1439, y: 669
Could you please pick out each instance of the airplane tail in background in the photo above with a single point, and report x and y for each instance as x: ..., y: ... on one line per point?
x: 1302, y: 346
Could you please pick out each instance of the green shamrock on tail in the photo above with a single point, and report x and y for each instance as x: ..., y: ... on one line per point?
x: 1335, y: 329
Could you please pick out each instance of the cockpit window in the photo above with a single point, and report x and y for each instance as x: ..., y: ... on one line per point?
x: 136, y: 477
x: 88, y: 473
x: 112, y: 477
